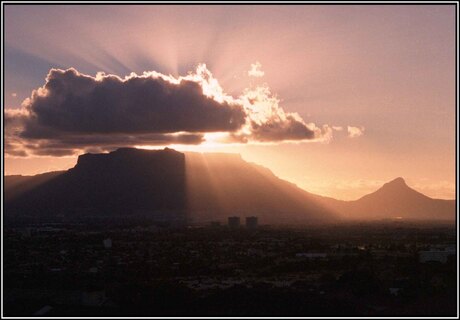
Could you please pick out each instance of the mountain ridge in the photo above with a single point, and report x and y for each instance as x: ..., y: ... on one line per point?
x: 394, y: 199
x: 206, y: 186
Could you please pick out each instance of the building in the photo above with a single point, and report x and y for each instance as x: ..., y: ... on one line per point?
x: 215, y: 224
x: 311, y: 255
x: 234, y: 222
x: 251, y: 222
x: 107, y: 243
x: 436, y: 255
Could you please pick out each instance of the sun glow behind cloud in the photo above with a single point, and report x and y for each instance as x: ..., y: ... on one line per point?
x: 335, y: 65
x: 74, y: 112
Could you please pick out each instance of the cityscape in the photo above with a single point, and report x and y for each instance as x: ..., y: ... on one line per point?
x: 388, y: 268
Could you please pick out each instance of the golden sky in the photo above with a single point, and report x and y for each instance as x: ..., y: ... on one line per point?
x: 357, y: 94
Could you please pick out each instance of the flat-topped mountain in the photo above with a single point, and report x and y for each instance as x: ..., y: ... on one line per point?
x: 122, y: 183
x: 163, y: 184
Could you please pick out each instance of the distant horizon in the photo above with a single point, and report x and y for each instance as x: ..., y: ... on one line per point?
x: 211, y: 152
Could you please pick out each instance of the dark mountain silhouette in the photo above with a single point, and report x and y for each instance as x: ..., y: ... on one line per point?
x: 169, y: 185
x: 125, y: 182
x: 163, y: 184
x: 220, y: 185
x: 17, y: 184
x: 394, y: 199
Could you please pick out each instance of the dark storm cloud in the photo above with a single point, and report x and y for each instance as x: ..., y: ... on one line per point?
x: 73, y: 102
x: 14, y: 121
x: 67, y: 145
x: 288, y: 129
x: 81, y: 141
x: 74, y: 112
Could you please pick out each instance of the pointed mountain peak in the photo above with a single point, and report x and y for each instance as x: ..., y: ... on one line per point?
x: 397, y: 182
x: 395, y: 185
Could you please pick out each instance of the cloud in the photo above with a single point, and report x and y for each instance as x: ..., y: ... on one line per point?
x: 279, y: 129
x: 73, y: 112
x: 256, y: 70
x: 354, y: 132
x: 267, y: 122
x: 14, y: 119
x: 70, y: 144
x: 71, y: 102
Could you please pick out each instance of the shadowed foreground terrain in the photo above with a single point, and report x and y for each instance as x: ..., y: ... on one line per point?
x: 336, y: 270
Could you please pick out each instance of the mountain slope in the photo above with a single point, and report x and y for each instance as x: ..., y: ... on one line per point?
x: 394, y: 199
x: 164, y: 184
x: 220, y: 185
x: 16, y: 185
x: 124, y: 182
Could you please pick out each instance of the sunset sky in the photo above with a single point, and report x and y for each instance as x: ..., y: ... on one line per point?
x: 337, y: 99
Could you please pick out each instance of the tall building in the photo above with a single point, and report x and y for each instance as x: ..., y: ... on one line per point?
x: 234, y: 222
x: 107, y: 243
x: 251, y: 222
x: 215, y: 224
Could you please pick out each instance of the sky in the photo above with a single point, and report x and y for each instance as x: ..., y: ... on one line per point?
x: 337, y: 99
